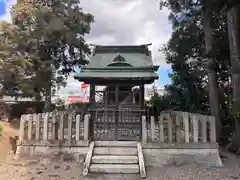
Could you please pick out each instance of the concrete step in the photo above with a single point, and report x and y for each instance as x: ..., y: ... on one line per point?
x: 115, y: 143
x: 114, y: 168
x: 121, y: 151
x: 114, y: 159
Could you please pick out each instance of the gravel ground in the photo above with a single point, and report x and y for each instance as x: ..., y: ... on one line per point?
x: 44, y: 169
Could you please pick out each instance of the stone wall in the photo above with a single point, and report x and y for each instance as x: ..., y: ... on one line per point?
x: 206, y: 154
x: 71, y: 151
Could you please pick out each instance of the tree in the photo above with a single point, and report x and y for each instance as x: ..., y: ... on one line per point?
x: 54, y: 40
x: 234, y: 45
x: 204, y: 8
x: 184, y: 52
x: 13, y: 66
x: 60, y: 104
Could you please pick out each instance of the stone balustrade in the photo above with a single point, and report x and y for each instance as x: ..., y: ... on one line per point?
x: 54, y: 127
x: 179, y: 127
x: 170, y: 127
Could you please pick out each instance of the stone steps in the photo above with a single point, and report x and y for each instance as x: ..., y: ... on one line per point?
x: 114, y: 168
x: 115, y: 144
x: 120, y: 151
x: 110, y: 159
x: 115, y: 157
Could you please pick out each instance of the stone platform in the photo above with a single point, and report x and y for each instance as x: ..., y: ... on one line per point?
x: 155, y: 154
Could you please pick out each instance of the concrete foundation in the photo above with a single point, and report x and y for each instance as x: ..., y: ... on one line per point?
x: 52, y: 150
x: 154, y: 154
x: 180, y: 154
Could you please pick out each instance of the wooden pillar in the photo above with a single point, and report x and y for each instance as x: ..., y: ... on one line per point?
x: 92, y: 113
x: 141, y: 103
x: 116, y: 111
x: 92, y: 93
x: 141, y: 99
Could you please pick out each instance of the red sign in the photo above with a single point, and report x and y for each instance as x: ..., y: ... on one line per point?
x: 75, y: 99
x: 84, y: 86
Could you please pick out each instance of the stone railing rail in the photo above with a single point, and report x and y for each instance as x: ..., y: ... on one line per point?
x: 179, y: 127
x: 53, y: 127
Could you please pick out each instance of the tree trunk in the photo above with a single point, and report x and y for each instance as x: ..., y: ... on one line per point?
x: 234, y: 45
x: 48, y: 99
x: 37, y: 90
x: 48, y: 92
x: 212, y: 76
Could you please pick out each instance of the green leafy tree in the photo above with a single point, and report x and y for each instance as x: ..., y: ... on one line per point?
x: 60, y: 104
x: 211, y: 10
x: 54, y: 41
x: 234, y: 45
x: 186, y: 53
x: 13, y: 65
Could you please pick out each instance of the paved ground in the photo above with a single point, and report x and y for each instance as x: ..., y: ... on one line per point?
x: 44, y: 169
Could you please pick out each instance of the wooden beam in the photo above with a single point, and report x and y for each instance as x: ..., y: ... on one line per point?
x: 92, y: 114
x: 116, y: 110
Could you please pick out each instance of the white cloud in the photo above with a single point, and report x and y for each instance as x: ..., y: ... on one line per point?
x: 129, y: 22
x: 125, y: 22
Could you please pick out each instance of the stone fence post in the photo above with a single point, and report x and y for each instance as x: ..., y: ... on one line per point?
x: 22, y: 128
x: 212, y: 122
x: 144, y: 130
x: 186, y: 126
x: 86, y: 126
x: 153, y: 127
x: 78, y: 119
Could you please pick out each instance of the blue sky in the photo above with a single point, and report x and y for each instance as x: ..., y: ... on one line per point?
x: 123, y: 22
x: 2, y: 7
x: 163, y: 76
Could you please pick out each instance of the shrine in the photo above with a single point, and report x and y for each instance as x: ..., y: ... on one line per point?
x: 117, y: 75
x: 113, y: 131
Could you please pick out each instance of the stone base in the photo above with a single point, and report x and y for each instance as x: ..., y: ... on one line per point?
x: 206, y: 154
x: 67, y: 153
x: 114, y: 168
x: 154, y: 154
